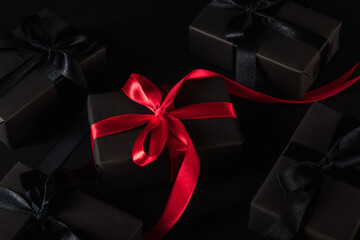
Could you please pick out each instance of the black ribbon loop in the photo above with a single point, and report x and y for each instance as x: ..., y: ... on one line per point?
x: 52, y: 58
x: 305, y: 178
x: 244, y: 28
x: 35, y: 203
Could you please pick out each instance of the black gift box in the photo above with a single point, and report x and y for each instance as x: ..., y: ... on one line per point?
x: 82, y: 213
x: 217, y: 141
x: 336, y: 214
x: 31, y: 100
x: 290, y: 66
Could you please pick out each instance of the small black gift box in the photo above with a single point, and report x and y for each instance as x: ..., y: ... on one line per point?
x: 217, y: 141
x: 290, y: 66
x: 335, y: 212
x: 38, y: 68
x: 85, y: 216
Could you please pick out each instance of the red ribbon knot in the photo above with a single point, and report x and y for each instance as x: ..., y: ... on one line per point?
x: 160, y: 112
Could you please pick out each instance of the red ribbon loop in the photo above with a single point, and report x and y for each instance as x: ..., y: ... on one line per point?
x: 143, y: 91
x: 158, y: 137
x: 165, y: 127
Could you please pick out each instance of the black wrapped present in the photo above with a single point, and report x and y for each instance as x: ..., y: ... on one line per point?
x: 319, y: 172
x: 289, y: 42
x: 217, y: 141
x: 35, y: 59
x: 34, y: 206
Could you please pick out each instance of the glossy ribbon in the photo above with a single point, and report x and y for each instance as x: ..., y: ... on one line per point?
x: 53, y: 59
x: 306, y: 177
x: 165, y: 124
x: 244, y: 28
x: 35, y: 203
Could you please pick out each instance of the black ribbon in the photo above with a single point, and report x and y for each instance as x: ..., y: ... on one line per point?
x: 52, y: 58
x: 76, y: 132
x: 244, y: 28
x: 39, y: 192
x: 305, y: 179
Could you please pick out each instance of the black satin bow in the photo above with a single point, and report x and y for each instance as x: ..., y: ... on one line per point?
x: 305, y: 178
x: 243, y: 30
x: 52, y: 58
x: 35, y: 203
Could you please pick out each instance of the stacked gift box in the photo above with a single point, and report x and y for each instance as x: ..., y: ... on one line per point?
x: 175, y: 135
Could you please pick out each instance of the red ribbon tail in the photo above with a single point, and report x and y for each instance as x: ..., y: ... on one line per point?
x: 241, y: 91
x: 183, y: 188
x: 331, y: 88
x: 177, y: 150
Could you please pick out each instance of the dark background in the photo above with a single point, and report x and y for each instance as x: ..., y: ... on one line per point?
x: 151, y: 38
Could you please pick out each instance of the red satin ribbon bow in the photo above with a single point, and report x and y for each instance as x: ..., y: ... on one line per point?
x: 164, y: 124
